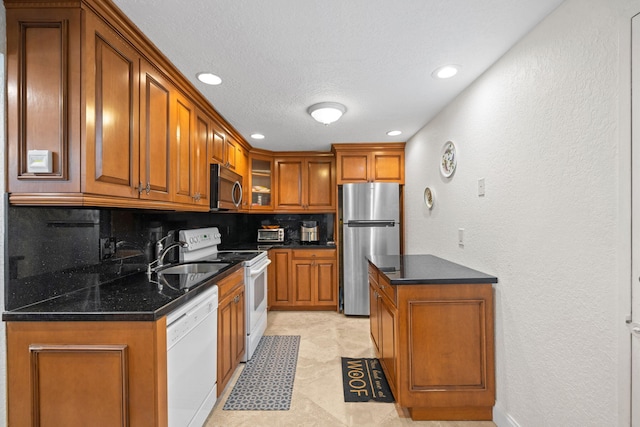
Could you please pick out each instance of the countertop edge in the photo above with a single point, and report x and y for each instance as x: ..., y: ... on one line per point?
x: 119, y: 316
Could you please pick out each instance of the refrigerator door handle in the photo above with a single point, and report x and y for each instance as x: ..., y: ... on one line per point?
x: 371, y: 223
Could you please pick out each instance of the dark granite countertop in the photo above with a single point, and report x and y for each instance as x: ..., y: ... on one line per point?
x: 426, y: 269
x: 136, y: 297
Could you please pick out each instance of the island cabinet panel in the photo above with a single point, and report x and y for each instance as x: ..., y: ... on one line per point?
x: 436, y: 346
x: 231, y: 326
x: 87, y: 373
x: 43, y: 94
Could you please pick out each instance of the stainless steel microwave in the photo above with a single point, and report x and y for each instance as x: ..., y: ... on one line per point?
x: 271, y: 235
x: 225, y: 188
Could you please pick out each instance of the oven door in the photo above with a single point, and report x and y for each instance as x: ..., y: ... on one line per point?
x: 256, y: 307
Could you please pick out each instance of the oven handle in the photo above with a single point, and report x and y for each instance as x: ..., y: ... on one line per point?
x: 260, y: 268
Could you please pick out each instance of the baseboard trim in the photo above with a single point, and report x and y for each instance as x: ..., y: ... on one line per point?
x: 501, y: 418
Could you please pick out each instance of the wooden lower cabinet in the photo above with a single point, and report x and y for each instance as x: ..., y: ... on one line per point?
x: 303, y: 279
x: 436, y: 346
x: 231, y: 326
x: 87, y: 373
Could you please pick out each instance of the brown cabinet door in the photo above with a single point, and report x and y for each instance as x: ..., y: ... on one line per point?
x: 353, y: 167
x: 239, y: 332
x: 43, y: 98
x: 374, y: 321
x: 387, y: 346
x: 202, y: 134
x: 320, y: 184
x: 325, y: 283
x: 216, y: 149
x: 289, y: 179
x: 230, y: 153
x: 112, y: 102
x: 242, y: 167
x: 279, y: 281
x: 155, y: 134
x: 183, y: 133
x: 226, y: 342
x: 302, y: 276
x: 388, y: 167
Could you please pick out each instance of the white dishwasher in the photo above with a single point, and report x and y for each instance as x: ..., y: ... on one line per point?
x: 192, y: 345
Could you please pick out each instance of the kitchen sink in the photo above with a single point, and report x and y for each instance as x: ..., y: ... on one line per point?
x: 194, y: 268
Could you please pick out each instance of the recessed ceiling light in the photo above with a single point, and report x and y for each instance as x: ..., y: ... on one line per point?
x: 257, y: 136
x: 394, y: 132
x: 209, y: 78
x: 446, y: 71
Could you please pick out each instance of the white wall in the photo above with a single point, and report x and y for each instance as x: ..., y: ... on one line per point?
x: 542, y: 126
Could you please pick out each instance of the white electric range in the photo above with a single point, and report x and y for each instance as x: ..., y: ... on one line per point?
x: 202, y: 245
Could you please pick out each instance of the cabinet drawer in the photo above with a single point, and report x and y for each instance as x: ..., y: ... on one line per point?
x: 229, y: 283
x: 314, y: 253
x: 388, y: 289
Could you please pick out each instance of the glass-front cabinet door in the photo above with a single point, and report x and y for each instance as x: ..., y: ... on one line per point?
x: 261, y: 182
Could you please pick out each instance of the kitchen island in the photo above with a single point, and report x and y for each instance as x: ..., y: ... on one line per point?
x: 432, y: 325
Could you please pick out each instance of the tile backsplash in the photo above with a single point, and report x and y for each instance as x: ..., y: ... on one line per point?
x: 43, y: 242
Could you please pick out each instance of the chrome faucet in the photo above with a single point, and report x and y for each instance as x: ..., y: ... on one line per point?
x: 159, y: 261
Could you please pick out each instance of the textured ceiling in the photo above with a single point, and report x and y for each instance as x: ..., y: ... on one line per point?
x: 278, y: 57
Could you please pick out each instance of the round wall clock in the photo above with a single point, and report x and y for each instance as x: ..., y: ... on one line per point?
x: 448, y: 160
x: 428, y: 197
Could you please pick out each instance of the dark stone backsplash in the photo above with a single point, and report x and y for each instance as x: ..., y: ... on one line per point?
x: 44, y: 243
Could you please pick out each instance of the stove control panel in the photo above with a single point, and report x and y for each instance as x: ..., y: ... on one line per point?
x: 200, y: 238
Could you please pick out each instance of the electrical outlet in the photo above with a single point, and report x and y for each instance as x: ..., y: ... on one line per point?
x: 107, y: 247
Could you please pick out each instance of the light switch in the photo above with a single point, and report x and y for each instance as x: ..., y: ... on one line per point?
x: 461, y: 236
x: 481, y: 187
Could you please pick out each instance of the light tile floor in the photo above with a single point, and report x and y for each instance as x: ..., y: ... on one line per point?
x: 317, y: 398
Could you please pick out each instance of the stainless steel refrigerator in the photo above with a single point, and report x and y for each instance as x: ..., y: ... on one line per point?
x: 370, y: 226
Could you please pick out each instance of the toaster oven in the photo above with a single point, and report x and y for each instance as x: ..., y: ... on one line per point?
x: 271, y: 235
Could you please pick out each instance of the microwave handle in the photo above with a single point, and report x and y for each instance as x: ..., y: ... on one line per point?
x: 233, y: 193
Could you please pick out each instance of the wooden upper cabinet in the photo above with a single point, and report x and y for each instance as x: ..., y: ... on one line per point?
x: 155, y: 133
x: 117, y: 118
x: 223, y: 149
x: 305, y: 183
x: 183, y: 127
x: 43, y: 98
x: 203, y: 134
x: 369, y: 162
x: 112, y: 162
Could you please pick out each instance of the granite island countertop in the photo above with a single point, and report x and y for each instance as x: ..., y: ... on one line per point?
x: 426, y: 269
x: 135, y: 297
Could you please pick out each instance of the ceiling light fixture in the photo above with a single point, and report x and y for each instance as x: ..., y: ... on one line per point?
x: 257, y: 136
x: 394, y: 132
x: 445, y: 72
x: 327, y: 112
x: 209, y: 78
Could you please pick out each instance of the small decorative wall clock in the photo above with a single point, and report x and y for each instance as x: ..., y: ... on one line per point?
x: 448, y: 160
